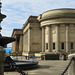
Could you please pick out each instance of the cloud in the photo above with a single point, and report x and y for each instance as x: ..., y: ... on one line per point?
x: 18, y: 11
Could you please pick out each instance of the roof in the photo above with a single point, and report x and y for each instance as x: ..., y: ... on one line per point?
x: 57, y: 13
x: 30, y: 20
x: 14, y: 30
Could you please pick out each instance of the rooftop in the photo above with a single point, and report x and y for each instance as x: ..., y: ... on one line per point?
x: 57, y: 13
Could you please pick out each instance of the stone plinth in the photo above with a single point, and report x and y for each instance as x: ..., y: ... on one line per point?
x: 2, y: 58
x: 71, y: 70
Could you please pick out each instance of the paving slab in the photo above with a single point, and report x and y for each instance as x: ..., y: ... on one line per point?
x: 46, y: 67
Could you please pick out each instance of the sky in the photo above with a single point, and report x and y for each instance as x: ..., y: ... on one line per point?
x: 18, y: 11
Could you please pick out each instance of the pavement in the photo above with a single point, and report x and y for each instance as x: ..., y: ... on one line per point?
x: 46, y: 67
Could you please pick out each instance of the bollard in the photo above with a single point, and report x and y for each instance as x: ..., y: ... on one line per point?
x: 71, y: 70
x: 2, y: 59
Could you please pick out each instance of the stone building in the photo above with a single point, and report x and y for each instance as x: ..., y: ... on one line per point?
x: 31, y: 36
x: 17, y: 46
x: 28, y: 39
x: 51, y: 31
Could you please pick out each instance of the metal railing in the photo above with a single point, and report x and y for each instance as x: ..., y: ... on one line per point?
x: 12, y: 65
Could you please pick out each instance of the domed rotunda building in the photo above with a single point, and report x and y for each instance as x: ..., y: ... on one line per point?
x: 51, y: 31
x: 58, y: 30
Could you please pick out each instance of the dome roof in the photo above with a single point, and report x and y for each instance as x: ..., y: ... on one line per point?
x: 57, y: 13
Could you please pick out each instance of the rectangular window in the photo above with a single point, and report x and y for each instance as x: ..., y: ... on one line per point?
x: 62, y: 45
x: 53, y: 45
x: 47, y: 46
x: 71, y: 45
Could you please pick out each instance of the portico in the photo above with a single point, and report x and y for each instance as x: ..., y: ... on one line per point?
x: 17, y: 46
x: 57, y: 30
x: 47, y: 38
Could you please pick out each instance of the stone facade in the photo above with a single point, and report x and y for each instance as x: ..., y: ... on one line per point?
x: 58, y: 30
x: 61, y: 36
x: 31, y: 36
x: 17, y: 46
x: 51, y: 31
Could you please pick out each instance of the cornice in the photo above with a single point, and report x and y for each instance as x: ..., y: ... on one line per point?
x: 56, y: 18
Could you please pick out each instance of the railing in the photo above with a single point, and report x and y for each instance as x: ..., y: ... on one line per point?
x: 12, y: 65
x: 67, y: 66
x: 71, y: 66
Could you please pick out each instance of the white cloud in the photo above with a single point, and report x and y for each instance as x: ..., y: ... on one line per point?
x: 17, y: 11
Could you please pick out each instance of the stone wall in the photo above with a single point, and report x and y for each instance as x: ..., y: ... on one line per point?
x: 35, y: 37
x: 25, y: 41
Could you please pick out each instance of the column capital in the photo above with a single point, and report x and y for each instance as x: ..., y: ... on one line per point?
x: 67, y: 26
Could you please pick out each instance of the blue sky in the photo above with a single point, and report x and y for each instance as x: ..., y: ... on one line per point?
x: 18, y: 11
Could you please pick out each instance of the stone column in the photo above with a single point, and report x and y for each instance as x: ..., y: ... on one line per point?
x: 67, y: 37
x: 71, y: 70
x: 49, y: 39
x: 57, y: 38
x: 2, y: 59
x: 16, y: 44
x: 13, y: 46
x: 43, y: 39
x: 29, y: 39
x: 21, y: 43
